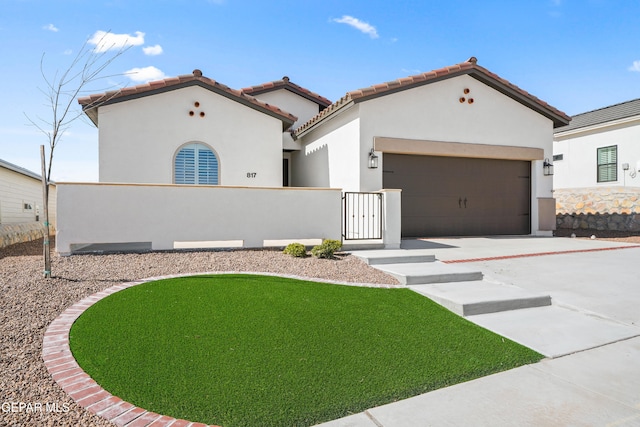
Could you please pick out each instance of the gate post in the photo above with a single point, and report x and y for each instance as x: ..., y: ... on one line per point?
x: 392, y: 218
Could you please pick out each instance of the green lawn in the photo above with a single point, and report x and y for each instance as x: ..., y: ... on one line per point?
x: 245, y: 350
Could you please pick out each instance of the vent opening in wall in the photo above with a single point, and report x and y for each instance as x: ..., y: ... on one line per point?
x: 557, y: 157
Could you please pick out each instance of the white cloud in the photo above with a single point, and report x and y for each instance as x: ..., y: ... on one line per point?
x: 51, y: 27
x: 152, y: 50
x: 359, y: 25
x: 104, y: 41
x: 146, y: 74
x: 635, y: 66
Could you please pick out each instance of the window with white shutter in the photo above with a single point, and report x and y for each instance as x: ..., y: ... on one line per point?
x: 196, y: 164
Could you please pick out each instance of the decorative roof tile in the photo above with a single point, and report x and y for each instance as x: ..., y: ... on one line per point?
x: 469, y: 67
x: 91, y: 103
x: 285, y: 83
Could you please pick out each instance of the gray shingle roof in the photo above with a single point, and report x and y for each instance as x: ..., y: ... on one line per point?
x: 20, y: 170
x: 603, y: 115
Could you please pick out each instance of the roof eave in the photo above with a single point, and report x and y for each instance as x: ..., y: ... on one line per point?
x: 328, y: 116
x: 557, y: 117
x: 22, y: 171
x: 286, y: 84
x: 292, y: 90
x: 91, y: 109
x: 92, y: 112
x: 600, y: 126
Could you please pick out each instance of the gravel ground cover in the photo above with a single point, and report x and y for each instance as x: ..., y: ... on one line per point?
x: 29, y: 303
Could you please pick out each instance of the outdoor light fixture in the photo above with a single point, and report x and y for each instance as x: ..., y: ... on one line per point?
x: 547, y: 168
x: 373, y: 160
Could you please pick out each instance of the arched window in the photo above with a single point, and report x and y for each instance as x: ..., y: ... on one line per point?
x: 196, y: 164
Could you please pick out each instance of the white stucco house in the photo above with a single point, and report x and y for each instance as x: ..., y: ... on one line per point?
x: 21, y: 204
x: 599, y: 148
x: 455, y: 151
x: 465, y: 146
x: 596, y: 159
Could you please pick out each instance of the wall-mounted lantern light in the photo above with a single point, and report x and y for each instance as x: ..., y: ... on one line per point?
x: 373, y: 160
x: 547, y: 167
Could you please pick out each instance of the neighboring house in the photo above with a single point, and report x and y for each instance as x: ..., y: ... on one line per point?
x: 465, y: 147
x: 21, y: 204
x: 597, y: 166
x: 599, y: 148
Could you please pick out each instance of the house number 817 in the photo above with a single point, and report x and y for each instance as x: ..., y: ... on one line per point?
x: 251, y: 174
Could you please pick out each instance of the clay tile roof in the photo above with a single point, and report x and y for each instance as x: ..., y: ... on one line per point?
x: 91, y: 103
x: 287, y: 84
x: 469, y: 67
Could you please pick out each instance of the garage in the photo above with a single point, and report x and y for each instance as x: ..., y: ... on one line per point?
x: 456, y: 196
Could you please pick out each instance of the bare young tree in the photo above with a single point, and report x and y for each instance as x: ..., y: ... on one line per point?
x: 61, y: 91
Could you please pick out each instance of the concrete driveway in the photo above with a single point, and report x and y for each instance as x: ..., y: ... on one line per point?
x: 591, y: 333
x: 591, y: 275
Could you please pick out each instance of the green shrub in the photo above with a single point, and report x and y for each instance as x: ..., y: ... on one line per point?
x: 326, y: 249
x: 296, y: 249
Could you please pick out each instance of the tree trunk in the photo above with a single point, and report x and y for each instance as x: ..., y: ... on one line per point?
x: 45, y: 211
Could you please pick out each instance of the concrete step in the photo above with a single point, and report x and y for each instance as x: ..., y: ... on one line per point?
x: 481, y: 297
x: 429, y: 272
x: 394, y: 256
x: 362, y: 245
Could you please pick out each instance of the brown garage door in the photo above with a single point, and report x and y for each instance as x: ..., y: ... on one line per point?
x: 452, y: 196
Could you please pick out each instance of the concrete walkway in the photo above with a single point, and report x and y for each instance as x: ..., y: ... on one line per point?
x: 590, y: 333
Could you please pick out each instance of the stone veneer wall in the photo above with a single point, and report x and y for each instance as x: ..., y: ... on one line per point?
x: 598, y: 208
x: 21, y: 232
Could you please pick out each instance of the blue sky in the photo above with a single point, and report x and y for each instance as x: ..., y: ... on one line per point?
x: 577, y: 55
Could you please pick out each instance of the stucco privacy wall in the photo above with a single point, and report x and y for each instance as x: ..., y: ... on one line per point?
x: 139, y: 138
x: 165, y: 214
x: 599, y: 208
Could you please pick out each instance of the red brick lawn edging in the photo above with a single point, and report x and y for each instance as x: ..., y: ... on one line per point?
x: 497, y: 258
x: 64, y: 369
